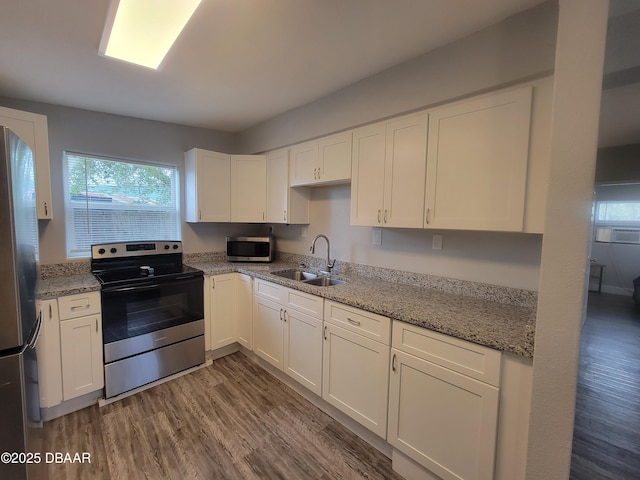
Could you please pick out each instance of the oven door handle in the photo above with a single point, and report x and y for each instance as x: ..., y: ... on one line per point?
x: 129, y: 289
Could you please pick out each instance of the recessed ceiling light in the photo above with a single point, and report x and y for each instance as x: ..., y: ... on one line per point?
x: 143, y: 31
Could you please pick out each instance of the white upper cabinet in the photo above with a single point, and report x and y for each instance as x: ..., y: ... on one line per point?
x: 477, y: 163
x: 324, y: 161
x: 32, y: 128
x: 404, y: 171
x: 248, y: 188
x: 207, y: 186
x: 388, y: 173
x: 284, y: 204
x: 367, y: 180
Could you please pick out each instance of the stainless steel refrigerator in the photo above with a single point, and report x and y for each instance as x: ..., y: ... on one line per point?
x: 20, y: 423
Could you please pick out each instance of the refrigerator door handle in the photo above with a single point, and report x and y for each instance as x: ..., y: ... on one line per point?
x: 35, y: 336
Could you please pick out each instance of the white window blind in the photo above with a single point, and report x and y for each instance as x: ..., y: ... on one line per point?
x: 110, y: 200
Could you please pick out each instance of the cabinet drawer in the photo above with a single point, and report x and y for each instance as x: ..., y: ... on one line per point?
x: 269, y: 290
x: 370, y: 325
x: 475, y: 361
x: 80, y: 305
x: 304, y: 302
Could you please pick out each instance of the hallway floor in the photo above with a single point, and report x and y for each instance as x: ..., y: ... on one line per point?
x: 606, y: 438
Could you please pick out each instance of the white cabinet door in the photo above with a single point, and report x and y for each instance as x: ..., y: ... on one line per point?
x: 33, y: 130
x: 223, y: 310
x: 284, y: 204
x: 334, y: 158
x: 269, y: 331
x: 248, y: 188
x: 48, y: 351
x: 355, y: 377
x: 81, y: 353
x: 244, y: 313
x: 367, y: 180
x: 404, y: 172
x: 303, y: 164
x: 477, y: 163
x: 207, y: 186
x: 443, y: 420
x: 303, y: 349
x: 323, y: 161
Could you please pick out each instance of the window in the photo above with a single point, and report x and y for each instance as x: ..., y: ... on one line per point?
x: 110, y: 200
x: 623, y: 213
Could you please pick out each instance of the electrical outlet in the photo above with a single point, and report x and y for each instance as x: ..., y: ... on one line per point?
x: 376, y: 236
x: 303, y: 232
x: 436, y: 242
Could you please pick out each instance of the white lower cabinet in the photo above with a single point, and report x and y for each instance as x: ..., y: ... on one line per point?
x: 244, y: 314
x: 228, y: 310
x: 81, y: 344
x: 223, y: 310
x: 288, y: 332
x: 443, y: 403
x: 355, y: 364
x: 48, y: 352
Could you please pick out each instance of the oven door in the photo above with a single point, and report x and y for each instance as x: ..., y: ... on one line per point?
x: 156, y: 313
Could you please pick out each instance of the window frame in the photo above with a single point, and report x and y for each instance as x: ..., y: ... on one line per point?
x: 68, y: 209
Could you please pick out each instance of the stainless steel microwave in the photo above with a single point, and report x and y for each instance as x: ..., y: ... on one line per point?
x: 250, y: 249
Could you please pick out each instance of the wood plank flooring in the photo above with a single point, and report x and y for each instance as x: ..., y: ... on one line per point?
x: 606, y: 438
x: 231, y: 420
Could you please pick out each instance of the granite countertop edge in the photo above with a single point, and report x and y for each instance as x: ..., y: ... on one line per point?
x: 504, y: 327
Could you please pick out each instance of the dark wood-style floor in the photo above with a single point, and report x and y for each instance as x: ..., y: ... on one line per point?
x: 606, y: 439
x: 231, y: 420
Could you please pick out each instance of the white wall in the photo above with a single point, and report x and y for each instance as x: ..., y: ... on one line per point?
x: 582, y: 29
x: 125, y: 137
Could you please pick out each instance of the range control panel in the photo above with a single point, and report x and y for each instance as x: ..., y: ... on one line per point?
x: 135, y: 249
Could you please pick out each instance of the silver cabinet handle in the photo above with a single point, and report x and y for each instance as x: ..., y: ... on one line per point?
x: 96, y: 325
x: 353, y: 322
x: 318, y: 173
x: 46, y: 209
x: 393, y: 362
x: 379, y: 212
x: 385, y: 215
x: 213, y: 283
x: 315, y: 173
x: 50, y: 312
x: 284, y: 215
x: 285, y: 316
x: 325, y: 332
x: 81, y: 307
x: 280, y: 314
x: 427, y: 219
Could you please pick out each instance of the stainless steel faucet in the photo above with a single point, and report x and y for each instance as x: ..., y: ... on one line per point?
x: 330, y: 263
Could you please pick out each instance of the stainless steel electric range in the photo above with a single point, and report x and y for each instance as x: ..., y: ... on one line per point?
x: 152, y: 312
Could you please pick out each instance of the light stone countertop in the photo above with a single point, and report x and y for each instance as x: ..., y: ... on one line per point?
x: 500, y: 325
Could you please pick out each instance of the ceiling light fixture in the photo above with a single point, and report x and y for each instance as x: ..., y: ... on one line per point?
x: 143, y: 31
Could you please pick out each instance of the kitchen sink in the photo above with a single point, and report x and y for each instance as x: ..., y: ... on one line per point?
x: 324, y: 281
x: 299, y: 275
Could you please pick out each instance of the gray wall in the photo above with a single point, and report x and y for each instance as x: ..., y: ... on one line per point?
x: 124, y: 137
x: 520, y: 47
x: 515, y: 50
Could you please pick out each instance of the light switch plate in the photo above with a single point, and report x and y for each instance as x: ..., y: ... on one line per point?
x: 436, y: 242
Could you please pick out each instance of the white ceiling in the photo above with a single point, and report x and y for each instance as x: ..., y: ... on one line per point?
x: 240, y: 62
x: 236, y: 64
